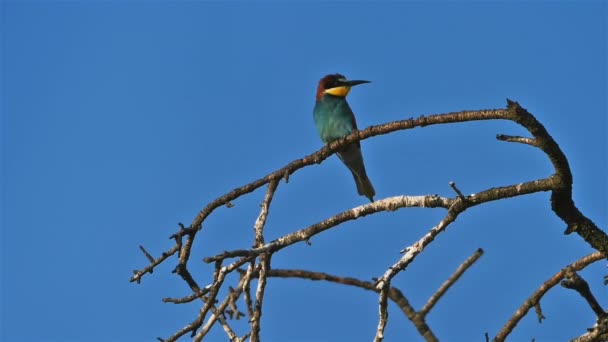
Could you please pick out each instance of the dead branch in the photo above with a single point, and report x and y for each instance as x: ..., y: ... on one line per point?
x: 559, y: 183
x: 450, y: 281
x: 540, y: 292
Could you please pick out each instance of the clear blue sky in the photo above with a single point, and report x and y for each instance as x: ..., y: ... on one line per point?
x: 120, y: 120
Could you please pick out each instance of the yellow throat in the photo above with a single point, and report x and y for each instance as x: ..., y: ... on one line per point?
x: 341, y: 91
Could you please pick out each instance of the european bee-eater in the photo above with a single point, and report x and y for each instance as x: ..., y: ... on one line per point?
x: 334, y: 119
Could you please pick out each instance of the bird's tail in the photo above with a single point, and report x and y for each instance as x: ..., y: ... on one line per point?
x: 364, y: 186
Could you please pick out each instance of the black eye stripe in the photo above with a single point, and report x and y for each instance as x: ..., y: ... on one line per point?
x: 333, y: 84
x: 333, y: 81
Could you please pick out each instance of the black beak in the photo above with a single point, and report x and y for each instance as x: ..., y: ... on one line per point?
x: 354, y: 83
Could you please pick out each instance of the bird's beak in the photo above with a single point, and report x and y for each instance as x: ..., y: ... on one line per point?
x: 344, y: 88
x: 354, y: 83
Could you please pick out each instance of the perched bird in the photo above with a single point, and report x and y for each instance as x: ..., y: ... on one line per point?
x: 334, y: 119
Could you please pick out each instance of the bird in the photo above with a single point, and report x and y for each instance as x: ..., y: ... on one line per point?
x: 335, y: 119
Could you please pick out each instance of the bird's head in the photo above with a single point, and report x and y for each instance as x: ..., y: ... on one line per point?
x: 336, y: 85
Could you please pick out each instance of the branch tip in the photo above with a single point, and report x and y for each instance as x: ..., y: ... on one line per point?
x: 539, y: 312
x: 286, y: 176
x: 457, y: 191
x: 462, y: 268
x: 148, y: 256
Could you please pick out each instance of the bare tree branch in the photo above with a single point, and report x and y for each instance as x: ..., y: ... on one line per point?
x: 450, y: 281
x: 190, y: 298
x: 138, y: 274
x: 559, y: 183
x: 388, y: 204
x: 540, y: 292
x: 457, y: 191
x: 599, y: 333
x: 539, y: 312
x: 247, y: 287
x: 521, y: 140
x: 264, y: 262
x: 383, y: 312
x: 394, y: 294
x: 259, y: 297
x: 258, y: 228
x: 575, y: 282
x: 220, y: 317
x: 232, y: 296
x: 561, y: 197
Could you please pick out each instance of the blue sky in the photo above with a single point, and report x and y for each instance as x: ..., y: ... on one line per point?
x: 121, y: 119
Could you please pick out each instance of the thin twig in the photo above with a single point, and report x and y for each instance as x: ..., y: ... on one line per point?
x: 191, y: 327
x: 457, y: 191
x: 232, y: 296
x: 220, y: 317
x: 213, y: 291
x: 148, y: 256
x: 258, y: 227
x: 412, y: 251
x: 233, y: 310
x: 539, y: 312
x: 150, y: 268
x: 259, y: 298
x: 517, y: 139
x: 456, y: 208
x: 187, y: 299
x: 450, y: 281
x: 247, y: 288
